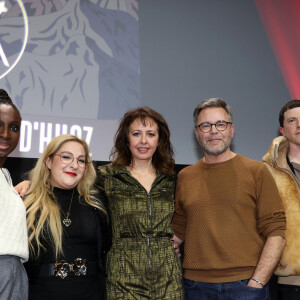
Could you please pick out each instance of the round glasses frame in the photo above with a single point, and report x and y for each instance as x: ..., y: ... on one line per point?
x: 206, y: 127
x: 68, y: 158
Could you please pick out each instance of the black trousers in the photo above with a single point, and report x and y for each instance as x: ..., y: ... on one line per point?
x: 288, y: 292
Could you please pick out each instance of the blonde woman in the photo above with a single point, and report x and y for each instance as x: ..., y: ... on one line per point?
x: 66, y: 224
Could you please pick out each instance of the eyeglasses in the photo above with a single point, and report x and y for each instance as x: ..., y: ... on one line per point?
x: 206, y: 126
x: 68, y: 158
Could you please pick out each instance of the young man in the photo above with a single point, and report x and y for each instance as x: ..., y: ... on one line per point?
x: 283, y: 160
x: 229, y: 213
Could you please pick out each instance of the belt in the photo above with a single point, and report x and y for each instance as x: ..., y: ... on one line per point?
x: 62, y: 269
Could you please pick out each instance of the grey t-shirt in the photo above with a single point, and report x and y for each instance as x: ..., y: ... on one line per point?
x: 297, y: 171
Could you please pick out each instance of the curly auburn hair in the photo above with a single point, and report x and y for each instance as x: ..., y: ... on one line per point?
x: 162, y: 159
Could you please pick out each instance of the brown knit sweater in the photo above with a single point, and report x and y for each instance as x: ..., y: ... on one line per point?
x: 225, y: 212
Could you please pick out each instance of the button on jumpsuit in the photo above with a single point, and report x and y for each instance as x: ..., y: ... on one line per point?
x: 142, y: 263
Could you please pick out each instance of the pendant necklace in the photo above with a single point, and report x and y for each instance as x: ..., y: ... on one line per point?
x: 67, y: 221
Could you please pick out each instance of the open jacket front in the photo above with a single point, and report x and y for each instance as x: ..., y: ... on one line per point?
x: 289, y: 190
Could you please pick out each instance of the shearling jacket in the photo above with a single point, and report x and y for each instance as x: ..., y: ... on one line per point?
x: 289, y: 190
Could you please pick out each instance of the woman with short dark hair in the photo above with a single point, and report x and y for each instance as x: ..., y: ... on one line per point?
x: 13, y: 233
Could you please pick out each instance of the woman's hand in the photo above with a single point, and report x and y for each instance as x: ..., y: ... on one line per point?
x: 22, y: 188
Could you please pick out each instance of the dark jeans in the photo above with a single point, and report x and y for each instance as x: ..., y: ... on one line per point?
x: 237, y: 290
x: 288, y: 292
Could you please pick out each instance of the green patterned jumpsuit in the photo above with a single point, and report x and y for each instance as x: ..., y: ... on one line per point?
x: 141, y: 263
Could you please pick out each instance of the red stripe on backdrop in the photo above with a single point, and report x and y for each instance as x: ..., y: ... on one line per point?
x: 282, y: 24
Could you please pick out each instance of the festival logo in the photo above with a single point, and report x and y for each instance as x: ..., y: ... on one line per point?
x: 11, y: 51
x: 79, y: 70
x: 81, y: 59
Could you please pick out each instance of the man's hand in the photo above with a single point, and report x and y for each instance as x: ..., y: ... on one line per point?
x: 268, y: 260
x: 176, y: 248
x: 254, y: 284
x: 175, y: 241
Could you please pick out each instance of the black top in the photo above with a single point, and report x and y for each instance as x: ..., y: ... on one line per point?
x: 82, y: 239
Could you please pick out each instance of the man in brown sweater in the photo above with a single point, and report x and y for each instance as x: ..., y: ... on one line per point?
x: 229, y: 213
